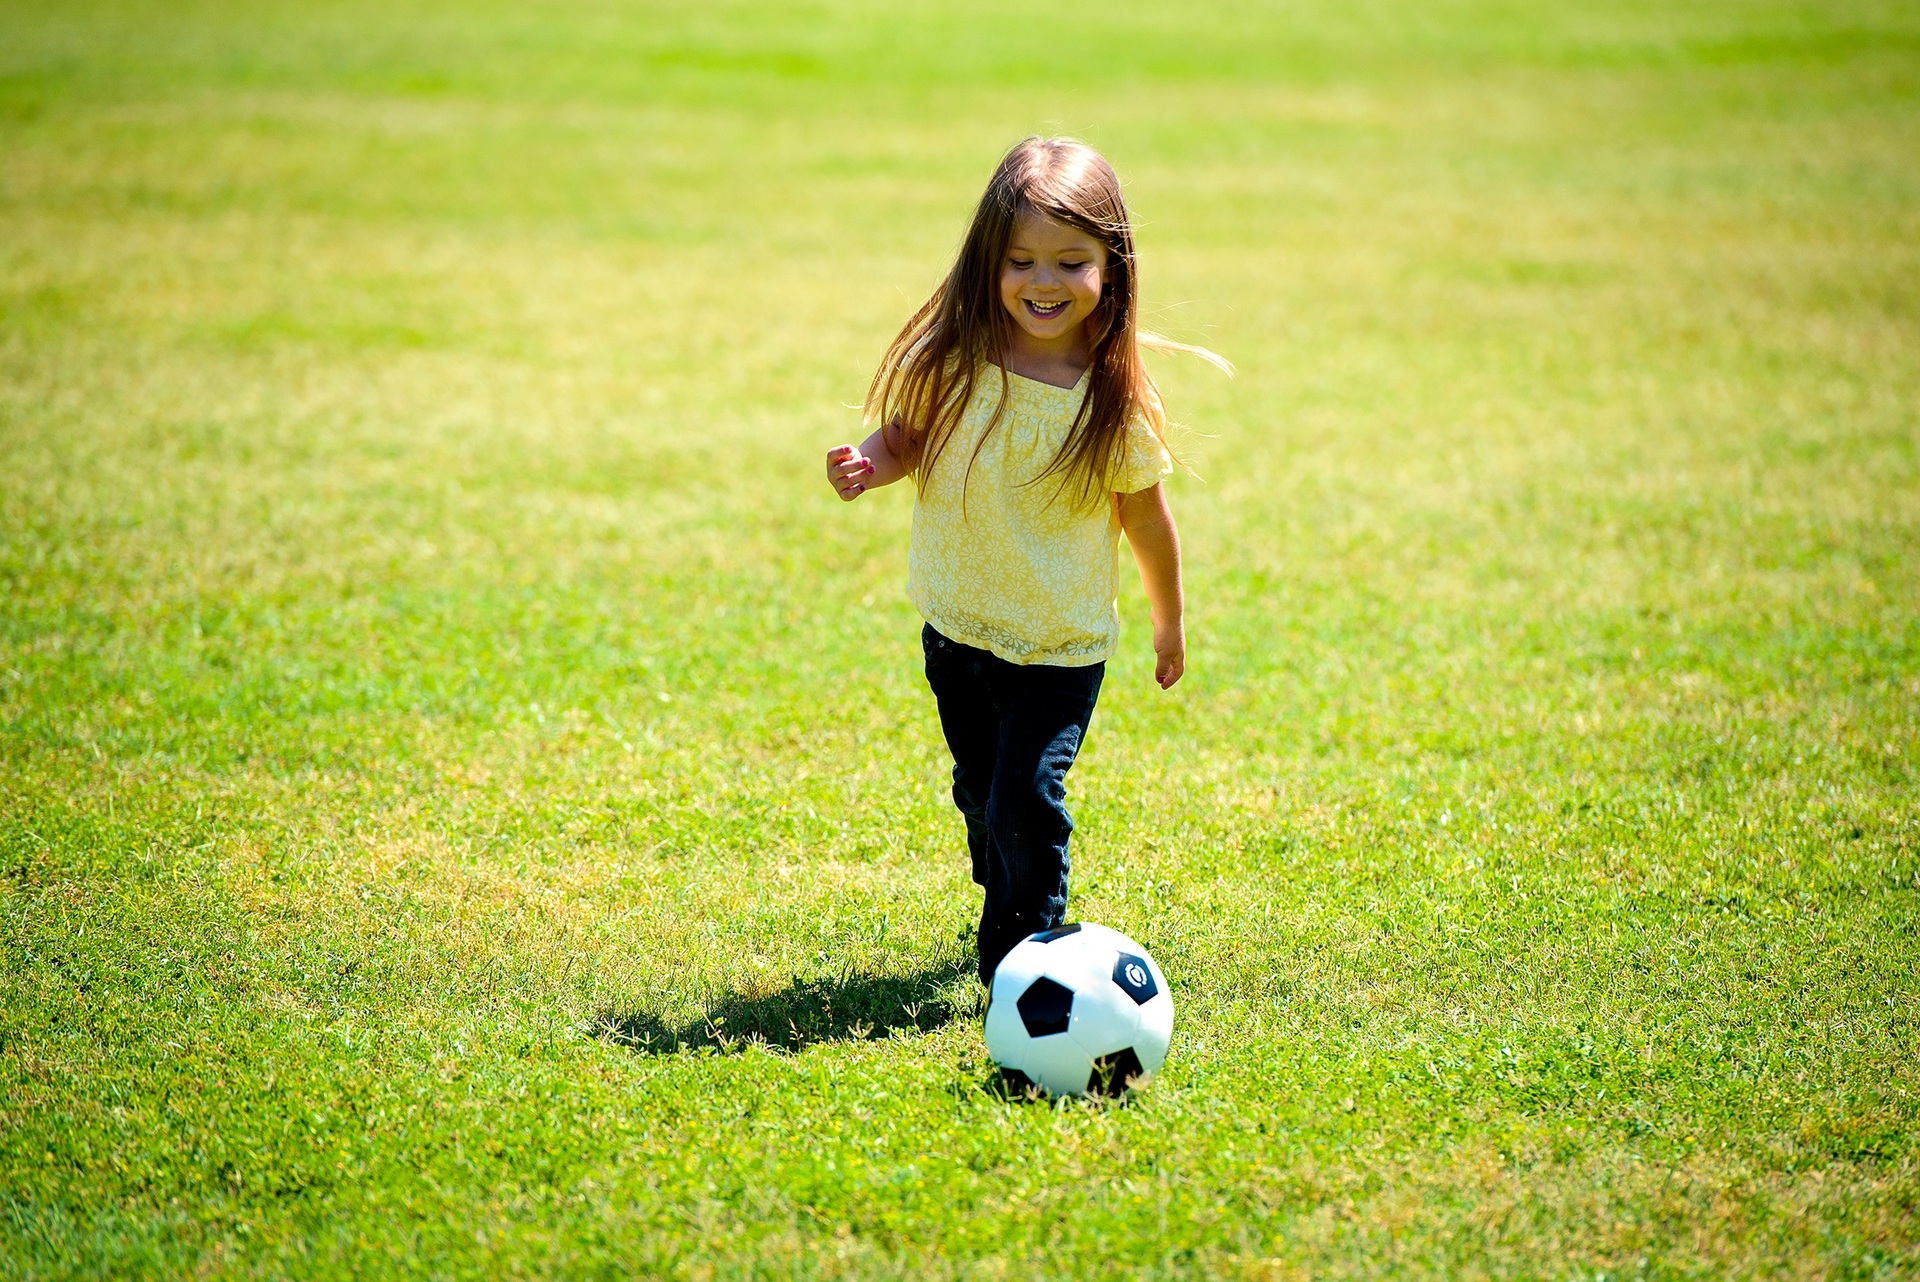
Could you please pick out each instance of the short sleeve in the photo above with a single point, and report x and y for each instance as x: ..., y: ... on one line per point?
x: 1144, y: 461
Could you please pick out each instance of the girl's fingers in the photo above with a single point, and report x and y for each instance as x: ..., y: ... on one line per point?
x: 847, y: 470
x: 847, y: 456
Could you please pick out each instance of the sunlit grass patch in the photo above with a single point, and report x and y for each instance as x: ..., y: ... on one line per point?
x: 468, y: 803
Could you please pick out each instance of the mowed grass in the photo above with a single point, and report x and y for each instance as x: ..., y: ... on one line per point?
x: 468, y: 803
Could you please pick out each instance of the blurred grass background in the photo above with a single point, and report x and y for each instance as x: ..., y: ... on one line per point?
x: 467, y: 800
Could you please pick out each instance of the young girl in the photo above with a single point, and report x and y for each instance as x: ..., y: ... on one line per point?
x: 1016, y: 400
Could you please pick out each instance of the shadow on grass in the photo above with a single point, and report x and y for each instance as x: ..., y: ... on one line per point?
x: 840, y: 1008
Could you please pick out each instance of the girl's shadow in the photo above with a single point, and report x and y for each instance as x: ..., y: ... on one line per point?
x: 845, y: 1007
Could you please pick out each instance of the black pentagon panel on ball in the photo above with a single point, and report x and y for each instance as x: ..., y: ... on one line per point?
x: 1114, y: 1074
x: 1135, y: 978
x: 1058, y: 932
x: 1045, y: 1007
x: 1014, y: 1084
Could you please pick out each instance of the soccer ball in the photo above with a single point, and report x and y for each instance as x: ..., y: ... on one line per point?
x: 1079, y: 1010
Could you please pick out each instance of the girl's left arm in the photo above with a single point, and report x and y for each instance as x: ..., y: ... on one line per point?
x: 1148, y: 522
x: 852, y: 472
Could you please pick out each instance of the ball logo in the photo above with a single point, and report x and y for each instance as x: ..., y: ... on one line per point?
x: 1132, y: 976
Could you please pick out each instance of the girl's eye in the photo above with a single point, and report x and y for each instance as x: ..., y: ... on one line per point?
x: 1019, y: 264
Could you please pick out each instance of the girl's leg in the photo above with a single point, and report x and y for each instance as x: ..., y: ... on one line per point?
x: 1043, y: 714
x: 1014, y: 731
x: 969, y: 719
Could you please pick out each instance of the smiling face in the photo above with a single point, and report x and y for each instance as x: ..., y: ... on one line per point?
x: 1050, y: 283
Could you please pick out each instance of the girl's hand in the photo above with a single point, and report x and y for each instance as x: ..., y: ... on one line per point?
x: 848, y: 471
x: 1169, y: 653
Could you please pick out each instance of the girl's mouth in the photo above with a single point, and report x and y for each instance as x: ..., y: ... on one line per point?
x: 1044, y: 311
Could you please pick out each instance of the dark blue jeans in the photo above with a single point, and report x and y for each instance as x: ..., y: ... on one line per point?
x: 1014, y: 730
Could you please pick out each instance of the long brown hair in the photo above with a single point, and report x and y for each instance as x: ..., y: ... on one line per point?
x: 932, y: 367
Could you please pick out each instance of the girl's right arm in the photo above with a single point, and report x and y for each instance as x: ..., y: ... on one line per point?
x: 853, y: 471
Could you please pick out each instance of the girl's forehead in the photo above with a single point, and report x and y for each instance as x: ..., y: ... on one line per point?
x: 1038, y: 232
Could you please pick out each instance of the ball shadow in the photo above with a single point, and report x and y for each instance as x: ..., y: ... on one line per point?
x: 845, y: 1007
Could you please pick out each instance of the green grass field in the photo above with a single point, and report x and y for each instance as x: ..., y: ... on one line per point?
x: 468, y: 803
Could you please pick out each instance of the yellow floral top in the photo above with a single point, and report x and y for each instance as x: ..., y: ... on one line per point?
x: 1019, y: 569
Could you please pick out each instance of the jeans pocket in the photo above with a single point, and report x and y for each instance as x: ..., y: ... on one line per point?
x: 941, y: 659
x: 937, y: 648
